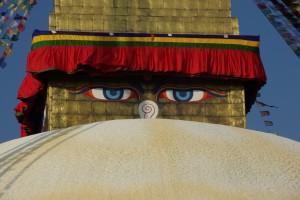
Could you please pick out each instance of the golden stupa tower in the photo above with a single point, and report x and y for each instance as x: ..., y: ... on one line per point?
x: 224, y: 75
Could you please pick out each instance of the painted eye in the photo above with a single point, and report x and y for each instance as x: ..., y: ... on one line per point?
x: 108, y: 94
x: 188, y: 95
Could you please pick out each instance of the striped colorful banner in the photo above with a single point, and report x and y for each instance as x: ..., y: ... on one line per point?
x: 226, y: 55
x: 42, y: 39
x: 13, y: 17
x: 284, y: 15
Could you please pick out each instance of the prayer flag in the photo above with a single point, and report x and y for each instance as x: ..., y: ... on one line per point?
x: 2, y: 43
x: 10, y: 31
x: 258, y: 95
x: 268, y: 123
x: 11, y: 13
x: 261, y: 104
x: 284, y: 17
x: 14, y: 23
x: 8, y: 51
x: 6, y: 37
x: 15, y: 37
x: 3, y: 64
x: 21, y: 27
x: 3, y: 13
x: 264, y: 113
x: 17, y: 16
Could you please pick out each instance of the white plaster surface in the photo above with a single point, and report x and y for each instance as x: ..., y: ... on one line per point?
x: 150, y: 159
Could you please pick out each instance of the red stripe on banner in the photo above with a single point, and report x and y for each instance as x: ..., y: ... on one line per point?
x: 190, y: 61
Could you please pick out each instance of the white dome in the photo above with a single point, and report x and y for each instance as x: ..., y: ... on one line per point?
x: 150, y: 159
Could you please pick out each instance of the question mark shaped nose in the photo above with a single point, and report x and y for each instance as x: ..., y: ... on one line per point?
x: 148, y: 109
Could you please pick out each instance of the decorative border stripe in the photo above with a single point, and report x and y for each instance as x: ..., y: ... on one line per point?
x: 147, y: 40
x: 142, y: 44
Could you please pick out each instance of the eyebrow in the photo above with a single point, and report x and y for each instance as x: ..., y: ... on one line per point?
x: 160, y: 84
x: 134, y: 84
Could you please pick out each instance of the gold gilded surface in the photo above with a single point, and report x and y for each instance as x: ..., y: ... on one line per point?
x: 218, y: 110
x: 84, y: 119
x: 201, y: 17
x: 97, y: 118
x: 112, y: 117
x: 65, y: 2
x: 62, y: 121
x: 230, y: 121
x: 67, y: 109
x: 237, y: 109
x: 167, y: 109
x: 98, y: 108
x: 191, y: 109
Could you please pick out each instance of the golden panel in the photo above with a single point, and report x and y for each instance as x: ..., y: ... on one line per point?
x: 86, y: 23
x: 98, y: 108
x: 169, y: 109
x: 139, y: 11
x: 85, y: 119
x: 56, y: 2
x: 59, y: 93
x: 78, y: 3
x: 97, y: 118
x: 224, y: 4
x: 109, y: 25
x: 191, y: 109
x: 66, y: 2
x: 112, y: 117
x: 104, y: 3
x: 235, y: 26
x: 143, y: 3
x: 52, y: 21
x: 199, y: 119
x: 156, y: 4
x: 237, y: 96
x: 187, y: 118
x: 120, y: 3
x: 238, y: 109
x: 187, y: 5
x: 219, y: 100
x: 83, y: 107
x: 214, y: 4
x: 62, y: 121
x: 124, y: 108
x: 137, y: 4
x: 218, y: 110
x: 206, y: 17
x: 168, y: 3
x: 98, y: 3
x: 230, y: 121
x: 120, y: 26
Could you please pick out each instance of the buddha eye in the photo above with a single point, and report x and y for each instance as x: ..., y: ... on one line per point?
x: 108, y: 94
x: 187, y: 95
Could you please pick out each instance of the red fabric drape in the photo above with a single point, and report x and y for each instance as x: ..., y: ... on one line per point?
x: 191, y: 61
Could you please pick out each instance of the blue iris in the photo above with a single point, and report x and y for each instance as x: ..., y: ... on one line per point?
x: 113, y: 94
x: 183, y: 95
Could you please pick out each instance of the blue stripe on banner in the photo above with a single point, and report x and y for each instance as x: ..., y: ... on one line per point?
x: 246, y: 37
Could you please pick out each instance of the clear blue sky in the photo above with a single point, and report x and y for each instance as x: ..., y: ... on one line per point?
x: 281, y: 64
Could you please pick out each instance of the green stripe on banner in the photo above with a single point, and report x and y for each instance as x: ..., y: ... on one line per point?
x: 145, y: 44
